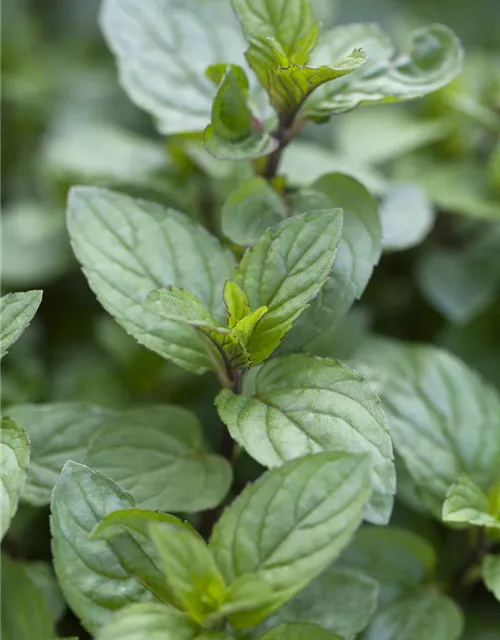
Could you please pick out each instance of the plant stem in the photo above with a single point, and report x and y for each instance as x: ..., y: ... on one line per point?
x: 285, y: 133
x: 467, y: 574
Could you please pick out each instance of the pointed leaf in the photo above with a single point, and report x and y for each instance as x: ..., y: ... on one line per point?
x: 149, y: 451
x: 428, y: 615
x: 95, y: 575
x: 291, y: 23
x: 291, y: 85
x: 444, y: 418
x: 190, y: 570
x: 466, y: 502
x: 14, y: 459
x: 293, y: 522
x: 340, y: 600
x: 129, y: 247
x: 163, y: 48
x: 16, y: 312
x: 155, y: 622
x: 359, y: 251
x: 24, y: 613
x: 433, y: 60
x: 285, y: 270
x: 250, y: 210
x: 491, y: 574
x: 232, y: 134
x: 303, y: 405
x: 236, y: 302
x: 58, y: 432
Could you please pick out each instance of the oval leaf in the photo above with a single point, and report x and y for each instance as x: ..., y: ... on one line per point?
x: 444, y: 419
x: 58, y: 432
x: 91, y: 573
x: 293, y: 522
x: 163, y: 48
x: 16, y: 312
x: 129, y: 247
x: 157, y: 454
x: 14, y: 459
x: 303, y: 405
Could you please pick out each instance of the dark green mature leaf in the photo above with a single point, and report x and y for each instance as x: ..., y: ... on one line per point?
x: 163, y: 48
x: 155, y: 622
x: 491, y: 574
x: 16, y: 312
x: 250, y: 210
x: 299, y: 631
x: 285, y: 270
x: 340, y: 600
x: 407, y: 216
x: 58, y: 432
x: 190, y: 570
x: 304, y: 405
x: 157, y: 453
x: 24, y: 613
x: 465, y: 502
x: 291, y: 23
x: 14, y: 459
x: 398, y: 560
x: 95, y: 575
x: 428, y: 615
x: 444, y: 418
x: 292, y: 523
x: 433, y: 60
x: 232, y: 135
x: 129, y: 247
x: 359, y: 251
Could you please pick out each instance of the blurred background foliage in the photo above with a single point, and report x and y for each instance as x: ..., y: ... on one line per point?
x: 434, y: 165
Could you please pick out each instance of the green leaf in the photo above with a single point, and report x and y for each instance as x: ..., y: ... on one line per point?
x: 16, y: 312
x: 232, y: 134
x: 155, y: 622
x: 359, y: 251
x: 14, y: 459
x: 434, y: 59
x: 377, y: 136
x: 291, y: 23
x: 340, y: 600
x: 303, y: 405
x: 163, y: 48
x: 250, y: 210
x: 457, y: 187
x: 24, y: 613
x: 461, y: 284
x: 290, y: 85
x: 58, y: 432
x: 190, y: 569
x: 298, y: 631
x: 244, y: 599
x: 180, y: 305
x: 292, y: 523
x: 149, y: 451
x: 491, y: 574
x: 237, y: 305
x: 444, y: 418
x: 398, y: 560
x: 95, y: 575
x: 129, y: 247
x: 428, y: 615
x: 466, y: 502
x: 42, y: 575
x: 284, y: 271
x: 407, y: 216
x: 29, y: 229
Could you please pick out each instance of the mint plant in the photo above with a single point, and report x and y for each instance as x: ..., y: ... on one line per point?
x: 240, y: 481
